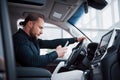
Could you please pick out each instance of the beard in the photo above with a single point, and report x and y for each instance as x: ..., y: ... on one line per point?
x: 33, y: 35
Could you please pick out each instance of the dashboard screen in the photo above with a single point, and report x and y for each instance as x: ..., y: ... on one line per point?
x: 105, y: 41
x: 102, y: 48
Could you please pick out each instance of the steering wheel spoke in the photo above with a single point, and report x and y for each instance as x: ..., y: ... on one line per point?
x: 75, y: 52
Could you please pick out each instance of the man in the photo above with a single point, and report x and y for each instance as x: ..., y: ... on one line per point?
x: 27, y: 44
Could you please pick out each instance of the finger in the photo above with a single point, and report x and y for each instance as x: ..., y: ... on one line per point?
x: 59, y: 46
x: 65, y: 48
x: 65, y: 51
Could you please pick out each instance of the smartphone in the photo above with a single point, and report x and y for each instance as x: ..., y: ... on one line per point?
x: 66, y: 44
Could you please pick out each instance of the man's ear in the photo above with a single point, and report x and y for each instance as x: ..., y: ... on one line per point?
x: 30, y: 24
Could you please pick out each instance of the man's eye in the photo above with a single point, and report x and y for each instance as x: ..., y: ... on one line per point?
x: 41, y: 27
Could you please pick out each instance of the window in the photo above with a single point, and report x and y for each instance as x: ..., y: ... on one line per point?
x: 51, y: 31
x: 18, y: 21
x: 107, y: 18
x: 116, y: 13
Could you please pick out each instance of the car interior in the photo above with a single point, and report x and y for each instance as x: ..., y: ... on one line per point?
x: 97, y: 60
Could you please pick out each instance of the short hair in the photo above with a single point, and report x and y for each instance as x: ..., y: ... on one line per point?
x: 30, y: 17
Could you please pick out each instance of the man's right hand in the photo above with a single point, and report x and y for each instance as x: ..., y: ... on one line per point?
x: 61, y: 51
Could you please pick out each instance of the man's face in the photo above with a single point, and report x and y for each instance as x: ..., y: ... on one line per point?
x: 37, y: 28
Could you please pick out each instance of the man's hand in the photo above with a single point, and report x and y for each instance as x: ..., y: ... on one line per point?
x: 61, y: 51
x: 80, y: 39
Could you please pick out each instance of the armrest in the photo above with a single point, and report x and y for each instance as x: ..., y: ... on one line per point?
x: 32, y: 72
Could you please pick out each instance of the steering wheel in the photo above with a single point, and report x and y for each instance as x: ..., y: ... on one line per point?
x: 75, y: 52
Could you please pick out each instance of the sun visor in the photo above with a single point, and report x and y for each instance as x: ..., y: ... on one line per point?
x: 80, y: 11
x: 97, y: 4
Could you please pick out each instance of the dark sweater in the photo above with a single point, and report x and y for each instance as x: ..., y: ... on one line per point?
x: 27, y: 49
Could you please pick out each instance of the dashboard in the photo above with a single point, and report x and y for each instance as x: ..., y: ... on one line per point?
x: 105, y: 42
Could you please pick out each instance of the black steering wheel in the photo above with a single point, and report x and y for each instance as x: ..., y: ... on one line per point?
x: 75, y: 52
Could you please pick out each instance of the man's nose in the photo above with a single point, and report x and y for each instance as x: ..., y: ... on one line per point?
x: 41, y: 32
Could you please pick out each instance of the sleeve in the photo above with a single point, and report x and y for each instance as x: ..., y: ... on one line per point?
x: 54, y: 43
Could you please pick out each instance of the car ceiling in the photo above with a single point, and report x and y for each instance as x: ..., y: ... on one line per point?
x: 55, y: 11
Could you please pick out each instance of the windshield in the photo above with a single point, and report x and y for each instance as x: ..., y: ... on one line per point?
x: 95, y: 23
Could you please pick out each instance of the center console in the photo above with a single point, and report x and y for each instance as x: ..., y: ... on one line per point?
x: 106, y: 42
